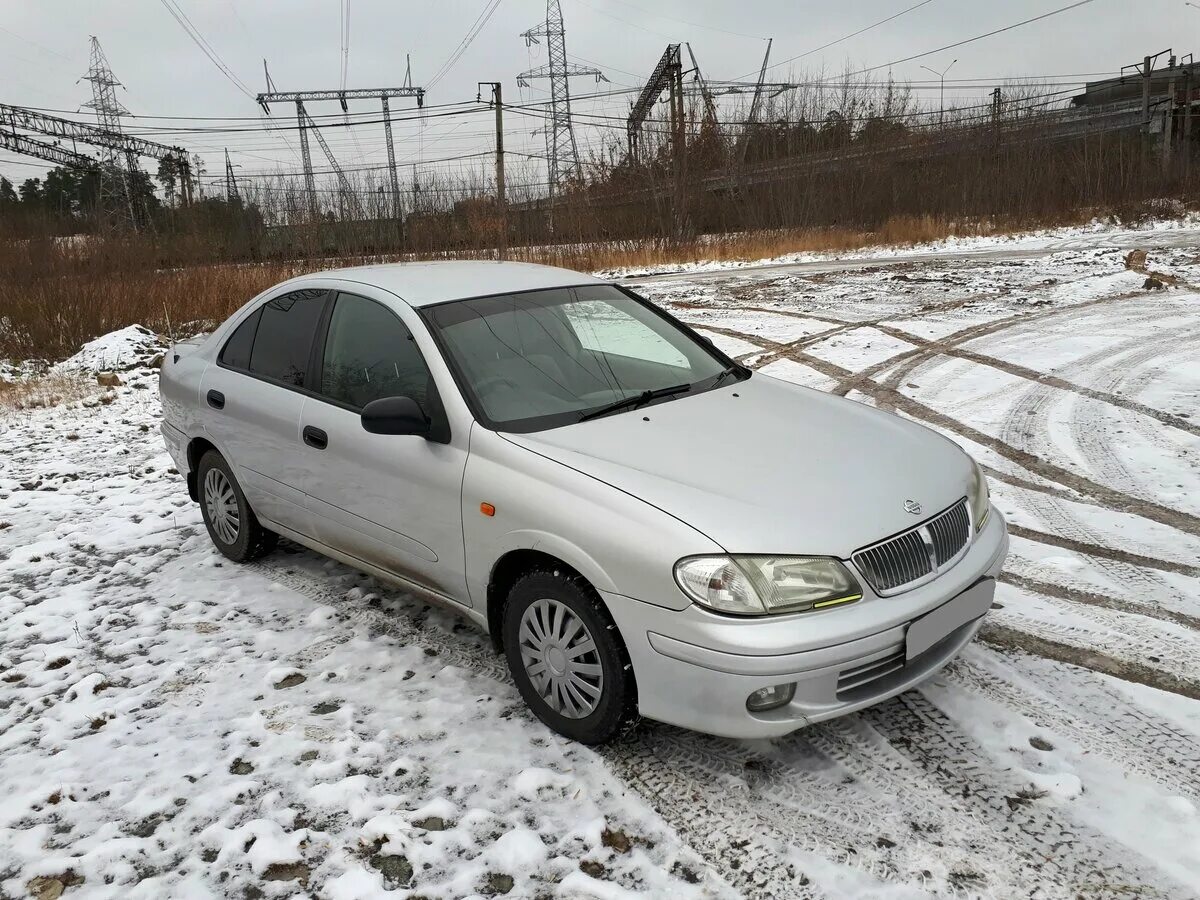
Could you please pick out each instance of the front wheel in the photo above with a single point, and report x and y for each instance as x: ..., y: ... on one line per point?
x: 567, y: 658
x: 230, y: 521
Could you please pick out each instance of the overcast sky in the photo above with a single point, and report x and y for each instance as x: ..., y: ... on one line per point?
x: 44, y: 51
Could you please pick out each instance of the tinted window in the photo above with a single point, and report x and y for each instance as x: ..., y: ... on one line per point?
x: 370, y: 354
x: 285, y: 336
x: 237, y: 349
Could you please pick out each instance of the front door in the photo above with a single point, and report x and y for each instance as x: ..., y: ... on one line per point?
x: 389, y: 500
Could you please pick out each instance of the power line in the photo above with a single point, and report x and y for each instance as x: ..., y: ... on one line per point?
x: 753, y: 37
x: 971, y: 40
x: 185, y: 23
x: 617, y: 18
x: 473, y: 32
x: 344, y: 10
x: 1051, y: 79
x: 33, y: 43
x: 840, y: 40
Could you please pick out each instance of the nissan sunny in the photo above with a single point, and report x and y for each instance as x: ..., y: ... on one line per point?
x: 643, y: 525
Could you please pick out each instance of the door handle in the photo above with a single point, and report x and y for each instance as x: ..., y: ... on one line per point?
x: 315, y: 437
x: 216, y: 399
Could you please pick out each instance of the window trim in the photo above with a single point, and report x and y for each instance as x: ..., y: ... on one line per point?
x: 299, y: 389
x: 544, y: 423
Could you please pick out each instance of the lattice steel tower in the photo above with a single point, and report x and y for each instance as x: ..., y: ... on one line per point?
x: 561, y: 150
x: 116, y: 191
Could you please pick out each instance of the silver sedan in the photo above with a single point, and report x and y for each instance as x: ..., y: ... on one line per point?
x: 643, y: 525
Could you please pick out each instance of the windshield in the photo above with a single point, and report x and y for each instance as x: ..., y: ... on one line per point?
x: 555, y: 357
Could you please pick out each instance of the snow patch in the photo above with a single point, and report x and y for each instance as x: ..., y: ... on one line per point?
x: 117, y: 351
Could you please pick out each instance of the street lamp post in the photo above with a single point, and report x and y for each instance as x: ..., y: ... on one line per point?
x: 942, y: 79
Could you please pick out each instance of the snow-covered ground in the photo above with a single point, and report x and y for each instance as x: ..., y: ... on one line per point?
x: 1179, y: 230
x: 172, y: 725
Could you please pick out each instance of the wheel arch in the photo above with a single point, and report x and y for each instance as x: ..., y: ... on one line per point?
x: 508, y: 569
x: 196, y: 449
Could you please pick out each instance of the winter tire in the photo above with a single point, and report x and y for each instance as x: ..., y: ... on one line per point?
x: 567, y: 657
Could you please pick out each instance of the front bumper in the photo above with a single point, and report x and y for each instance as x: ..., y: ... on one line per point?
x: 695, y: 668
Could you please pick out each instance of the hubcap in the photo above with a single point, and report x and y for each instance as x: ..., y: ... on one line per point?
x: 561, y: 658
x: 221, y: 504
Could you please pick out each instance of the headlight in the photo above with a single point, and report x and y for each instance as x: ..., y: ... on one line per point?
x: 762, y: 585
x: 979, y: 498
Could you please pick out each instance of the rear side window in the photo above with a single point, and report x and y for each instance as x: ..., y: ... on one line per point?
x: 236, y: 354
x: 370, y: 354
x: 283, y: 342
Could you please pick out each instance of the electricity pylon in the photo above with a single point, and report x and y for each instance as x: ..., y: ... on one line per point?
x: 232, y: 195
x: 116, y: 187
x: 562, y: 153
x: 304, y: 122
x: 14, y: 119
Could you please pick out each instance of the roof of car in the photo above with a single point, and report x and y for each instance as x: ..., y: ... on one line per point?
x: 426, y: 283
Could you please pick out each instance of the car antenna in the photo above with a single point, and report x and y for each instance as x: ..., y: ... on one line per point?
x: 170, y: 330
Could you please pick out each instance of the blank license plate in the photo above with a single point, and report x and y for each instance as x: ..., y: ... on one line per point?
x: 966, y: 607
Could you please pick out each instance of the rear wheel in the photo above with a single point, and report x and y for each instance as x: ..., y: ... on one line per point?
x: 567, y: 657
x: 230, y: 521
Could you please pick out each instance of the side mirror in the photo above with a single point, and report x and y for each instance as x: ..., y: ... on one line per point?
x: 395, y: 415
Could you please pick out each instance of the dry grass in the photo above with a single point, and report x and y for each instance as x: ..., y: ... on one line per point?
x: 745, y: 247
x: 54, y: 297
x: 45, y: 392
x: 54, y: 300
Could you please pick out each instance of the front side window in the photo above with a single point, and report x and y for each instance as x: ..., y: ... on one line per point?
x: 369, y: 355
x: 283, y: 342
x: 555, y: 357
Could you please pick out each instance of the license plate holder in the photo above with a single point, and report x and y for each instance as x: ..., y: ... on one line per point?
x: 926, y: 631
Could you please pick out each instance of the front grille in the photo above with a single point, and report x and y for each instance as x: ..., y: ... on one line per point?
x: 916, y: 555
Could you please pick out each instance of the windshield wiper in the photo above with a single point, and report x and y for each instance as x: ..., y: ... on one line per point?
x: 635, y: 400
x: 735, y: 369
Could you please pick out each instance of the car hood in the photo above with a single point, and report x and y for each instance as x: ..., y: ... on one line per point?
x: 764, y: 466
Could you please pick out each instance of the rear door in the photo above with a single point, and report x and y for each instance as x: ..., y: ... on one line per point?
x: 254, y: 396
x: 390, y: 500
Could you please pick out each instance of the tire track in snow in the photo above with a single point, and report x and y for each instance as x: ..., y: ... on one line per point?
x: 940, y: 352
x: 1133, y: 383
x: 1069, y: 855
x: 843, y: 326
x: 1084, y: 655
x: 1076, y: 595
x: 1157, y: 648
x: 1087, y: 428
x: 1123, y: 734
x: 1027, y: 423
x: 1046, y: 378
x: 1006, y: 868
x: 1102, y: 552
x: 910, y: 359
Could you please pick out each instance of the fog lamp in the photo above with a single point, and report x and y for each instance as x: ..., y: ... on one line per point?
x: 772, y: 697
